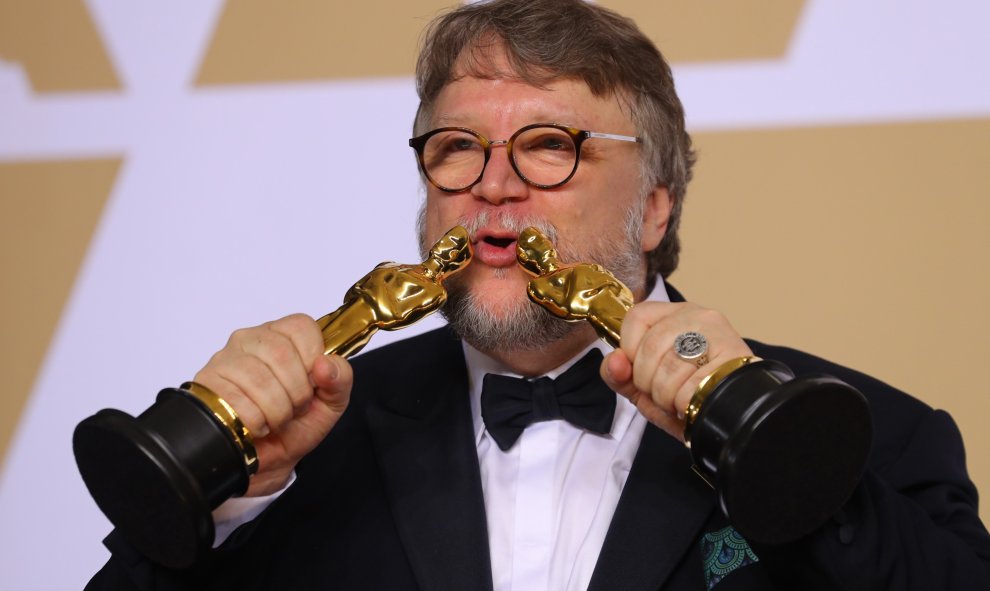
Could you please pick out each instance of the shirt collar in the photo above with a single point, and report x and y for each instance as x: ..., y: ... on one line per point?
x: 479, y: 364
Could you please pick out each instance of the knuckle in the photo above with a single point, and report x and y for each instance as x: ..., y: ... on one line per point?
x: 651, y: 348
x: 671, y: 364
x: 255, y: 374
x: 710, y: 317
x: 636, y: 313
x: 295, y: 323
x: 279, y: 415
x: 303, y: 331
x: 279, y: 349
x: 640, y: 314
x: 300, y: 397
x: 219, y: 359
x: 240, y: 336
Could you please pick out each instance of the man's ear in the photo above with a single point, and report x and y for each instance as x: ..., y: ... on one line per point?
x: 656, y: 214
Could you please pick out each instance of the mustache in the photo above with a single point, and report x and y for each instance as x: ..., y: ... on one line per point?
x: 508, y: 221
x: 491, y: 219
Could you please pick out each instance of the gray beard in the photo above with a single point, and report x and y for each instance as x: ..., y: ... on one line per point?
x: 524, y: 325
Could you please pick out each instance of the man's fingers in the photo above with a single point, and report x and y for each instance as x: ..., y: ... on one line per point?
x: 640, y: 319
x: 616, y: 372
x: 254, y: 376
x: 248, y: 411
x: 288, y: 346
x: 332, y: 377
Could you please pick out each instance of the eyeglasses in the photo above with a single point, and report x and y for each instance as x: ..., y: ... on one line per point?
x: 545, y: 155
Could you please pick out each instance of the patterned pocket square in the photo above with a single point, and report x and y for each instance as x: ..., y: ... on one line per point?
x: 724, y: 551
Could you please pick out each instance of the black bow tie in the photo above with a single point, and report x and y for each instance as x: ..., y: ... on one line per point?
x: 579, y: 396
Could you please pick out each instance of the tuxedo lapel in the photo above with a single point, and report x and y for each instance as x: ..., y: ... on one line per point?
x: 423, y: 435
x: 658, y: 520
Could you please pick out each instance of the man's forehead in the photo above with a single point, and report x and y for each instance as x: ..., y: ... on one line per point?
x: 468, y: 114
x: 526, y: 103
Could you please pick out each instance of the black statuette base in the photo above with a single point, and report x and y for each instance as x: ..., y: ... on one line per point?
x: 157, y: 477
x: 783, y: 454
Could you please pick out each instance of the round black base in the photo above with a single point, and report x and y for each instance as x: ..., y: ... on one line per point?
x: 158, y: 476
x: 783, y: 454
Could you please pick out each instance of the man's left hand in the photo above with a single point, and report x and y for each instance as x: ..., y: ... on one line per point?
x: 647, y: 370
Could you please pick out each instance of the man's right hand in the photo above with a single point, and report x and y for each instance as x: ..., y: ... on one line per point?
x: 287, y: 393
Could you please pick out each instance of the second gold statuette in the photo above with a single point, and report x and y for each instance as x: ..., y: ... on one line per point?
x: 575, y: 292
x: 782, y: 453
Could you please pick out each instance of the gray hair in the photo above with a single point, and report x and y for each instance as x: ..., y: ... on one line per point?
x: 548, y: 39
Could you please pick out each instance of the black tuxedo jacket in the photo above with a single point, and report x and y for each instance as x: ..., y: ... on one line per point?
x: 392, y: 499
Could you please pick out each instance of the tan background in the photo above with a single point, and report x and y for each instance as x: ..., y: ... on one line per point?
x: 863, y: 243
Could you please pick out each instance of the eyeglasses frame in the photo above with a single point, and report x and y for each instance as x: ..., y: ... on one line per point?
x: 578, y: 136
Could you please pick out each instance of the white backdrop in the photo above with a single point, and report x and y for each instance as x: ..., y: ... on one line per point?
x: 236, y: 205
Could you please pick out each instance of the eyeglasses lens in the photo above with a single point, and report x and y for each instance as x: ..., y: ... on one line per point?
x: 455, y: 159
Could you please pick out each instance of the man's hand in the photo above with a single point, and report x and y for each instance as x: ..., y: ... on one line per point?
x: 647, y: 371
x: 288, y: 393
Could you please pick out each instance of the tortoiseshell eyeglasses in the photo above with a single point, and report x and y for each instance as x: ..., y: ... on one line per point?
x: 545, y: 155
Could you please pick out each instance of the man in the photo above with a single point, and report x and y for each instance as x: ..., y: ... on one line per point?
x: 557, y: 114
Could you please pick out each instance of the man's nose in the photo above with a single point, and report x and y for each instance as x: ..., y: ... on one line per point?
x: 499, y: 182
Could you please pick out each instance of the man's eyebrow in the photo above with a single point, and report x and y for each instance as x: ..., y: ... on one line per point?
x: 568, y: 119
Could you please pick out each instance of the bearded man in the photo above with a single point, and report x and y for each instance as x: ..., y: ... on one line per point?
x: 560, y: 115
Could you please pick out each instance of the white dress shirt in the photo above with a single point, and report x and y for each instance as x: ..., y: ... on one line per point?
x: 550, y: 498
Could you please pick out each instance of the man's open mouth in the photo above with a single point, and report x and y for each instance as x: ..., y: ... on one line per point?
x: 496, y: 249
x: 500, y: 242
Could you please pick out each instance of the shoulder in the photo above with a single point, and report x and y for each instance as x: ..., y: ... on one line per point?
x: 896, y: 415
x: 805, y: 363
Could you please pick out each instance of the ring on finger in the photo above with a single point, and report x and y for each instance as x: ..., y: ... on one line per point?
x: 692, y: 347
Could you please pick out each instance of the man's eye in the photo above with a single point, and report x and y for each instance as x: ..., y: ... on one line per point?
x: 549, y: 142
x: 458, y: 144
x: 445, y: 148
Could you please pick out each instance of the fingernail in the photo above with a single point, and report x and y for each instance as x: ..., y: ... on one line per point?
x: 263, y: 432
x: 334, y: 370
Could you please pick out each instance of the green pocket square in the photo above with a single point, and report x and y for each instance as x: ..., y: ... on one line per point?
x: 724, y: 551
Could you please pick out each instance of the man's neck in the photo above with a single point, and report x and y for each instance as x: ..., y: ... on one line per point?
x: 537, y: 362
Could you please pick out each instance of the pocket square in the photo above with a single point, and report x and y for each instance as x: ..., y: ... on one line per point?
x: 722, y: 552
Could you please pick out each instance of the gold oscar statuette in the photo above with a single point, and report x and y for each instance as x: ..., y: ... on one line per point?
x: 782, y: 452
x: 157, y: 477
x: 574, y: 292
x: 393, y: 296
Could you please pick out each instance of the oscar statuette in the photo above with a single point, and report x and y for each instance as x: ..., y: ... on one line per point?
x: 783, y: 453
x: 158, y: 476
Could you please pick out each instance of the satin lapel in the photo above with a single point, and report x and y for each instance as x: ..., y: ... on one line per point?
x: 658, y: 520
x: 424, y: 438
